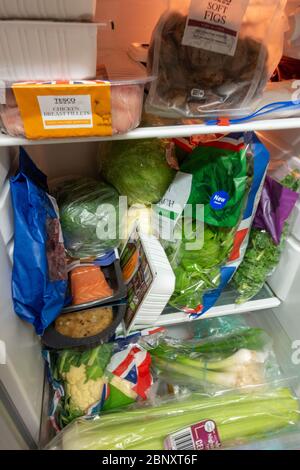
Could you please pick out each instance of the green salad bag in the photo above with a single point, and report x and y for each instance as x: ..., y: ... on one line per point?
x: 219, y: 182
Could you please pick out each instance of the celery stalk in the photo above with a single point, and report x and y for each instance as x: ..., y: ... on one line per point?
x: 236, y: 417
x: 195, y: 402
x: 245, y: 430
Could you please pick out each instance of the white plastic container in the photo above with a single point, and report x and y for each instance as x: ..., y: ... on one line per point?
x: 149, y: 278
x: 44, y: 50
x: 48, y: 9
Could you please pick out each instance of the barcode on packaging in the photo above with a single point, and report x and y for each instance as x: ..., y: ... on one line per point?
x: 200, y: 436
x: 214, y: 25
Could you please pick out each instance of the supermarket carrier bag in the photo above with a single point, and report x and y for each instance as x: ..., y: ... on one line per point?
x: 39, y: 276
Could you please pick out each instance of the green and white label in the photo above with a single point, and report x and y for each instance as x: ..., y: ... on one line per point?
x: 171, y: 206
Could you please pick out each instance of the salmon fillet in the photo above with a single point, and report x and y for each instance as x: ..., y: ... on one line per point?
x: 88, y: 283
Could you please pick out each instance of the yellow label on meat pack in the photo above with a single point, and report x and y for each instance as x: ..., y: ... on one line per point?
x: 64, y: 109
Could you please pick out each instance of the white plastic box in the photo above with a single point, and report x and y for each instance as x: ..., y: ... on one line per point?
x: 44, y: 50
x: 48, y: 9
x: 149, y: 278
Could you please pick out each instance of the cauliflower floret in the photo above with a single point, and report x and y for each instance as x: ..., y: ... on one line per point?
x: 83, y: 393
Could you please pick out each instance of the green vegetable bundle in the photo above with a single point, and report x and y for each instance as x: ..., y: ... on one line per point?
x: 261, y: 257
x: 89, y: 216
x: 237, y: 417
x: 138, y: 169
x: 197, y: 270
x: 231, y: 362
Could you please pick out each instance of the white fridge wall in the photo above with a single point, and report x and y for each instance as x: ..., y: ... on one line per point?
x: 61, y: 160
x: 134, y: 20
x: 23, y: 370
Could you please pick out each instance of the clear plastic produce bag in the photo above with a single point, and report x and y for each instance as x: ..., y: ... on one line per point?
x: 268, y: 235
x: 108, y: 377
x: 233, y: 361
x: 195, y: 422
x: 214, y: 57
x: 205, y: 257
x: 89, y: 215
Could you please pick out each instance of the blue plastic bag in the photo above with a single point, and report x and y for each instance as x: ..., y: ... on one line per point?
x: 39, y: 276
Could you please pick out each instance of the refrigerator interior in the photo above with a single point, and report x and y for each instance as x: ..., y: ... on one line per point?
x: 22, y: 369
x: 23, y: 390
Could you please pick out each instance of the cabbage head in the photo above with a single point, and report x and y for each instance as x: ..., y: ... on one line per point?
x: 138, y: 169
x: 89, y: 216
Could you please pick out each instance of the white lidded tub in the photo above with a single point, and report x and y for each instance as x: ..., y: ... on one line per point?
x: 44, y: 50
x: 48, y: 9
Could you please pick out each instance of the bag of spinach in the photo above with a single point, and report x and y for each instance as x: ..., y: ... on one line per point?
x: 205, y: 217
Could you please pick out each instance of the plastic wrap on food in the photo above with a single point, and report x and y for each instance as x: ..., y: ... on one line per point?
x: 240, y: 361
x: 194, y: 422
x: 212, y: 59
x: 108, y: 377
x: 89, y: 212
x: 205, y: 247
x: 110, y: 104
x: 267, y: 237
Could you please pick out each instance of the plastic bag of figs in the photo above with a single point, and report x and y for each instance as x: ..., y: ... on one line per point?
x: 213, y: 57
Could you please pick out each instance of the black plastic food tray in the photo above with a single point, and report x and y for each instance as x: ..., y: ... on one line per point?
x: 114, y: 277
x: 54, y: 340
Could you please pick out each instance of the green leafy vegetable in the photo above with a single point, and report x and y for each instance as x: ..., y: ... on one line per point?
x: 197, y: 270
x: 233, y: 361
x: 292, y: 181
x: 138, y: 169
x: 261, y: 257
x: 89, y: 211
x: 237, y: 416
x: 249, y: 338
